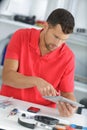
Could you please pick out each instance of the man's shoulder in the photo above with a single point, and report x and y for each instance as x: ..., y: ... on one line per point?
x: 26, y: 30
x: 26, y: 33
x: 68, y: 50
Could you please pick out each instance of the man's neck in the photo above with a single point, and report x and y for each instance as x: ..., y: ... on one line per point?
x: 43, y: 49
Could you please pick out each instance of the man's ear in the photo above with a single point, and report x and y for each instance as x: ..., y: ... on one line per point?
x: 46, y: 25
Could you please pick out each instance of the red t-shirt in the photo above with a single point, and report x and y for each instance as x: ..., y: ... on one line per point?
x: 56, y: 67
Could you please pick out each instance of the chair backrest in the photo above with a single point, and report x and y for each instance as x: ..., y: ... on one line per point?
x: 3, y: 47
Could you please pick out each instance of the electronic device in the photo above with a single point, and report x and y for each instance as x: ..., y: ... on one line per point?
x: 46, y: 119
x: 26, y: 124
x: 25, y: 19
x: 33, y: 109
x: 55, y: 99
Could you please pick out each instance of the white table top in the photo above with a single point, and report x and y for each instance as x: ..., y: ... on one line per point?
x: 10, y: 123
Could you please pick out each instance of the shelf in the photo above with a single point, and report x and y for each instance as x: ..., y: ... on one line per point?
x: 16, y: 23
x: 77, y: 39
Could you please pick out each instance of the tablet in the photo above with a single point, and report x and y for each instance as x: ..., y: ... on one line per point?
x: 55, y: 99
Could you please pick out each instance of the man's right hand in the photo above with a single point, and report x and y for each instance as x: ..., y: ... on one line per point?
x: 15, y: 79
x: 45, y: 88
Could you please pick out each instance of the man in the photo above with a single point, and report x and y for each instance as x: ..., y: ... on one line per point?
x: 38, y: 62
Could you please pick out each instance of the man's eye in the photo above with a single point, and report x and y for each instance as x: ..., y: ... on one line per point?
x: 56, y: 37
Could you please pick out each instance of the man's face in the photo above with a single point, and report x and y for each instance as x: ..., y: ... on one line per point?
x: 54, y: 37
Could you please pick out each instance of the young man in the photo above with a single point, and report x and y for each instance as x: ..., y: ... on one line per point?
x: 38, y: 62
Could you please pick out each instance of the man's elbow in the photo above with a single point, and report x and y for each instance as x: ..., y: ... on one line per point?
x: 5, y: 77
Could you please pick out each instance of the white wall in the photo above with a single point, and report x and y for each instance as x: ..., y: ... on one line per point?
x: 42, y: 8
x: 16, y: 7
x: 38, y: 8
x: 78, y: 44
x: 81, y: 15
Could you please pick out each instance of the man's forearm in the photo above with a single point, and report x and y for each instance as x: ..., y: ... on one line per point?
x: 68, y: 95
x: 18, y: 80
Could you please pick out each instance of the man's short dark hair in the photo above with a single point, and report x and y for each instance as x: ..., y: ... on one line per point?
x: 62, y: 17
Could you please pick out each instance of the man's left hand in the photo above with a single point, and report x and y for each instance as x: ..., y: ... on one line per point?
x: 65, y: 109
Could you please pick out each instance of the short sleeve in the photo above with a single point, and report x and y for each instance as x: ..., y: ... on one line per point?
x: 67, y: 80
x: 13, y: 48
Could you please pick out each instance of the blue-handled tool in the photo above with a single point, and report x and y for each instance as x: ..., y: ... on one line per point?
x: 13, y: 112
